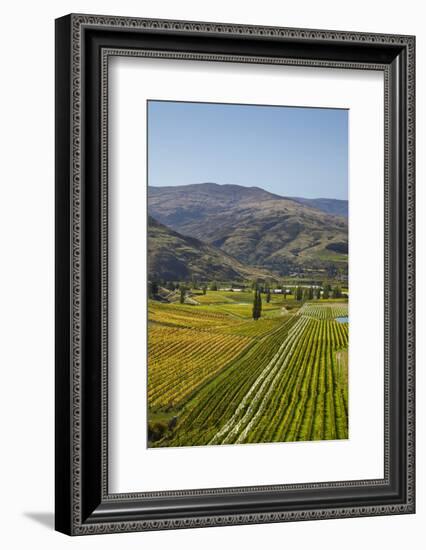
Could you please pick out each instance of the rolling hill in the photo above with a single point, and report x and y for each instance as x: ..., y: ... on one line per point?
x: 253, y: 226
x: 336, y: 207
x: 176, y: 257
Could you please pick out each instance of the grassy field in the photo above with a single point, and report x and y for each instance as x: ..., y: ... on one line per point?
x: 216, y: 376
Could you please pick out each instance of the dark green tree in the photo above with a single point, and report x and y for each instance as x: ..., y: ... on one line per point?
x: 257, y: 305
x: 213, y: 285
x: 299, y: 293
x: 260, y: 305
x: 254, y: 310
x: 156, y: 430
x: 152, y: 289
x: 268, y: 295
x: 204, y: 289
x: 337, y: 292
x: 182, y: 294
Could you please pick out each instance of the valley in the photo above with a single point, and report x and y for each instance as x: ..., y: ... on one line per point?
x: 248, y: 325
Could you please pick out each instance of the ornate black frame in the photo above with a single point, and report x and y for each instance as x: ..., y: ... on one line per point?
x: 83, y: 46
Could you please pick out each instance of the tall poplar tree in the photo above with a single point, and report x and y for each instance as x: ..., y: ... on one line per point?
x: 260, y: 305
x: 257, y: 305
x: 268, y: 295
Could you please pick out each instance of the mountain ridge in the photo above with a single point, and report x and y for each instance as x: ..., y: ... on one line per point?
x: 176, y: 257
x: 338, y: 207
x: 254, y: 226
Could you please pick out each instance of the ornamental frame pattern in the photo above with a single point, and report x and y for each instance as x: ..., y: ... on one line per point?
x: 78, y: 24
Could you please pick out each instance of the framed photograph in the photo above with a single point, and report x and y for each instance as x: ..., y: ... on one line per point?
x: 234, y: 274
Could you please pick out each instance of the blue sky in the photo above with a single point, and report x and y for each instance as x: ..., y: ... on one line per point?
x: 286, y: 150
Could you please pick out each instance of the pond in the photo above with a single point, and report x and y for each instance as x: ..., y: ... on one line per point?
x: 342, y: 319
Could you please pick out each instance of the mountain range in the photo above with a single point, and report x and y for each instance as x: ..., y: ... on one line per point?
x: 337, y: 207
x: 176, y: 257
x: 244, y: 229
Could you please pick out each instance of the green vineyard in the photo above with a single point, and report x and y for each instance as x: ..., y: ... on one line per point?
x: 182, y: 359
x: 216, y: 376
x: 328, y: 311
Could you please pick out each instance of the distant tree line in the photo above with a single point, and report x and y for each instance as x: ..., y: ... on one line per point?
x: 315, y: 293
x: 301, y: 293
